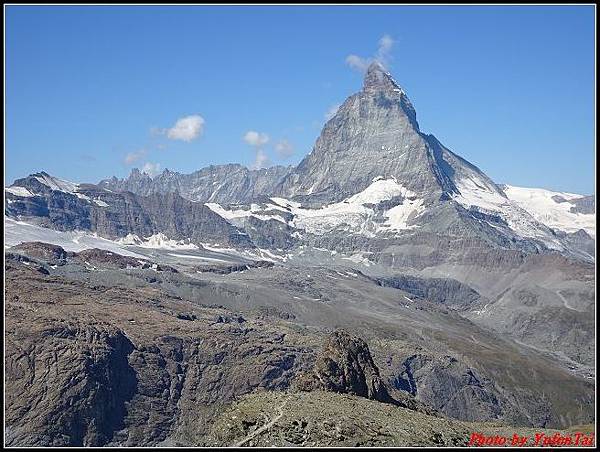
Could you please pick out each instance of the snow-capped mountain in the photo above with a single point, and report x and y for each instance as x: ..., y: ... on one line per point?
x: 376, y: 193
x: 372, y: 174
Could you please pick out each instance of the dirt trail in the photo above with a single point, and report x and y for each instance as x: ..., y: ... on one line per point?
x: 265, y: 427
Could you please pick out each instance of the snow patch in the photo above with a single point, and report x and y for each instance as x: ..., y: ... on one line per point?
x: 16, y: 232
x: 19, y: 191
x: 254, y: 211
x: 359, y: 258
x: 130, y: 239
x: 398, y: 216
x: 476, y: 193
x: 556, y: 215
x: 161, y: 241
x: 354, y: 214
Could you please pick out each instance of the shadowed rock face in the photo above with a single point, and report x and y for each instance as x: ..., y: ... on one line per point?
x: 68, y: 386
x: 345, y: 365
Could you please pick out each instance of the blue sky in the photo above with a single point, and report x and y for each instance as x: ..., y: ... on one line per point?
x: 93, y: 91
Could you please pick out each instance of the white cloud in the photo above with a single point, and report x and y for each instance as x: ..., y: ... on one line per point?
x: 151, y: 169
x: 332, y: 111
x: 358, y: 63
x: 284, y: 149
x: 133, y: 157
x: 383, y: 55
x: 186, y: 129
x: 256, y: 139
x: 261, y: 160
x: 383, y: 51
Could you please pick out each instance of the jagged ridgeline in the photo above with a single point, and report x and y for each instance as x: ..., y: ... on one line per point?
x: 383, y: 273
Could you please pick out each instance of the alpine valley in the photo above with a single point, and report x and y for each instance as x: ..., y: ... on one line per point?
x: 385, y: 291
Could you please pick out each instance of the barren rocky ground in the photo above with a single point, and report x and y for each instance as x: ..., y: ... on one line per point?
x: 97, y: 354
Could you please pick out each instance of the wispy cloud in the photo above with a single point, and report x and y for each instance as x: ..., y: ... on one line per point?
x: 383, y: 55
x: 88, y: 158
x: 284, y: 149
x: 332, y: 111
x: 185, y: 129
x: 257, y: 140
x: 261, y: 160
x: 151, y: 169
x: 133, y: 157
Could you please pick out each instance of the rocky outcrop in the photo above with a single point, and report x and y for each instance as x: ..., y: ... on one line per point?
x: 53, y: 254
x: 225, y: 269
x: 585, y: 204
x: 108, y: 259
x: 450, y: 387
x: 345, y: 365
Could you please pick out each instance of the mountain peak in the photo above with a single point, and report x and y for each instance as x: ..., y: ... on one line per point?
x: 377, y: 78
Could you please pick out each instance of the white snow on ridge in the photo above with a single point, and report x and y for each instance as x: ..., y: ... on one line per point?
x: 487, y: 200
x: 516, y: 214
x: 556, y: 215
x: 19, y: 191
x: 473, y: 194
x: 16, y: 232
x: 379, y: 190
x: 58, y: 184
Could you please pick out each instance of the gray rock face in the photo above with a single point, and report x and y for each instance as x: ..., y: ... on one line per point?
x: 231, y: 183
x: 450, y: 292
x: 449, y: 386
x: 90, y: 365
x: 52, y: 254
x: 585, y: 204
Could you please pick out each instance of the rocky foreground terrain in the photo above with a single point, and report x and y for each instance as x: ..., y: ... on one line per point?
x: 133, y: 363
